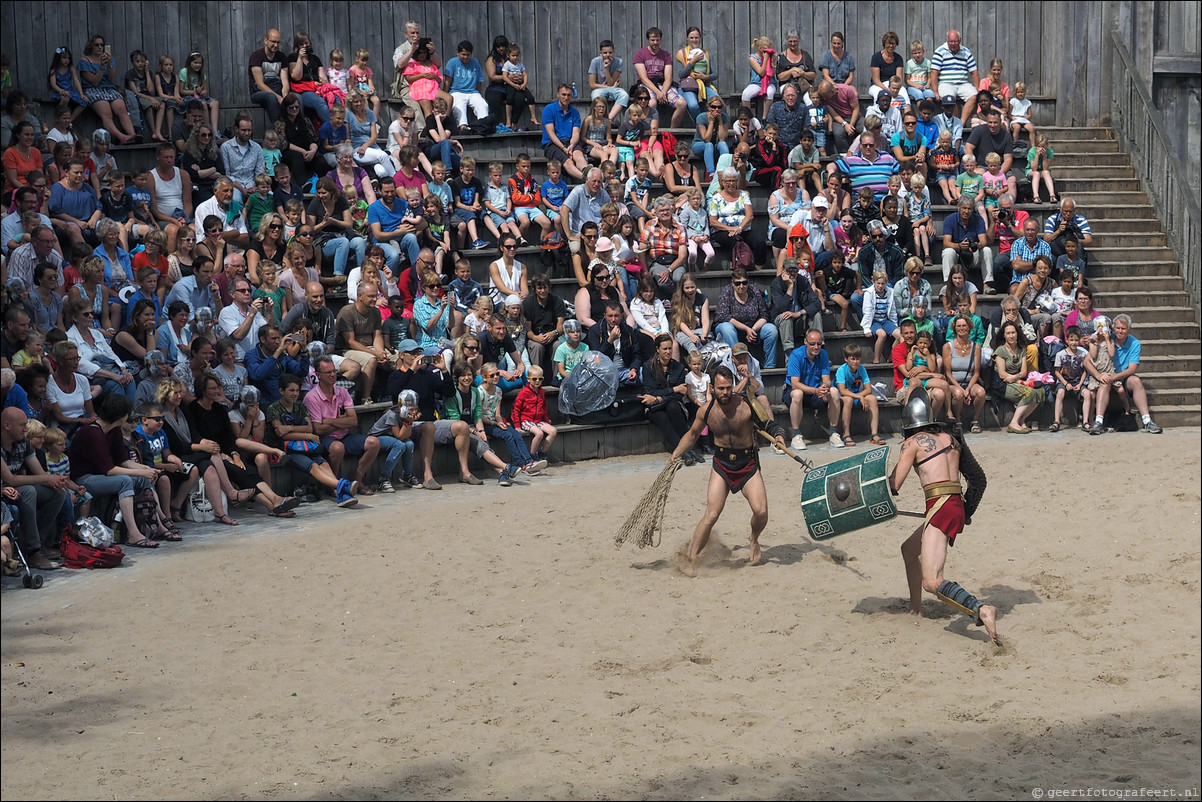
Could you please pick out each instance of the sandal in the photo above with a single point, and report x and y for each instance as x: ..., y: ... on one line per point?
x: 848, y: 442
x: 283, y: 514
x: 976, y: 427
x: 284, y: 508
x: 177, y: 515
x: 238, y: 498
x: 1055, y: 427
x: 1086, y: 427
x: 225, y: 519
x: 144, y: 543
x: 876, y: 440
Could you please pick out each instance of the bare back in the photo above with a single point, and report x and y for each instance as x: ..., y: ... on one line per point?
x: 945, y: 467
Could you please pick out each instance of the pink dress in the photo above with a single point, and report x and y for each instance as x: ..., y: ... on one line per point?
x: 423, y: 80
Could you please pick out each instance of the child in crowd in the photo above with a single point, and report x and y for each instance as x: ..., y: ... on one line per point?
x: 609, y: 171
x: 396, y: 326
x: 294, y: 217
x: 855, y: 389
x: 918, y: 209
x: 232, y: 376
x: 970, y: 184
x: 993, y: 181
x: 497, y: 428
x: 891, y: 119
x: 1020, y: 113
x: 650, y: 317
x: 526, y: 197
x: 395, y: 428
x: 746, y: 128
x: 33, y: 350
x: 63, y: 130
x: 194, y: 83
x: 597, y: 132
x: 515, y: 327
x: 271, y: 151
x: 151, y: 444
x: 360, y: 78
x: 260, y: 202
x: 918, y: 73
x: 1064, y: 297
x: 865, y: 209
x: 437, y: 234
x: 944, y: 163
x: 1071, y: 261
x: 920, y: 313
x: 529, y: 415
x: 285, y: 189
x: 806, y: 160
x: 571, y: 349
x: 1069, y: 370
x: 616, y: 190
x: 761, y: 83
x: 468, y: 194
x: 637, y: 192
x: 555, y: 189
x: 415, y: 214
x: 439, y: 186
x: 336, y: 75
x: 476, y: 320
x: 358, y: 210
x: 101, y: 164
x: 154, y: 255
x: 1039, y: 166
x: 835, y: 286
x: 64, y: 83
x: 166, y: 87
x: 333, y: 133
x: 630, y: 135
x: 77, y: 502
x: 148, y: 280
x: 517, y: 81
x: 500, y: 219
x: 696, y: 222
x: 464, y: 291
x: 276, y: 300
x: 698, y: 382
x: 879, y: 320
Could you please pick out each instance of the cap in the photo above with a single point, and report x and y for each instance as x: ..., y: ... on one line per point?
x: 604, y: 244
x: 821, y: 202
x: 433, y: 350
x: 513, y: 300
x: 948, y: 100
x: 739, y: 348
x: 408, y: 346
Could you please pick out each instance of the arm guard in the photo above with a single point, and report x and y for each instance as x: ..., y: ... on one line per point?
x: 972, y: 472
x: 766, y: 423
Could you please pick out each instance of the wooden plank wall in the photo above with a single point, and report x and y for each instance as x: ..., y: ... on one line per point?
x: 559, y: 38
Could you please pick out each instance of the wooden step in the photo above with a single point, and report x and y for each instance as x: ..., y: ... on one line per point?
x: 1143, y: 300
x: 1077, y: 133
x: 1139, y: 284
x: 1121, y: 268
x: 1129, y: 239
x: 1167, y: 347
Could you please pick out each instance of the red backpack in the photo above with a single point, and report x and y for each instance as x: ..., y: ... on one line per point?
x: 77, y: 554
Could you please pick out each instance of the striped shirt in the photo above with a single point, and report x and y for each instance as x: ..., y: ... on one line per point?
x: 1053, y: 222
x: 954, y: 68
x: 863, y: 173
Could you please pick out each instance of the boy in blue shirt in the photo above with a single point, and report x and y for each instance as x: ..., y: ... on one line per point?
x: 466, y: 79
x: 555, y: 189
x: 854, y: 386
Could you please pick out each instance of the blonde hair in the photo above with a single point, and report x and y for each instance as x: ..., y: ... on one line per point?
x: 35, y: 428
x: 876, y: 274
x: 993, y: 160
x: 488, y: 367
x: 917, y: 182
x: 337, y: 55
x: 760, y: 42
x: 917, y: 45
x: 1020, y: 86
x: 534, y: 372
x: 362, y: 54
x: 53, y: 436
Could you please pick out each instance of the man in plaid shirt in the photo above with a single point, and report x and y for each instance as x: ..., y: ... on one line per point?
x: 665, y: 241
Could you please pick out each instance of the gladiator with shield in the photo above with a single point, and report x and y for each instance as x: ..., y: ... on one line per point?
x: 939, y: 459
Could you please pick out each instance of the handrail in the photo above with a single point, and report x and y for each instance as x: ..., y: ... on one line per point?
x: 1138, y: 125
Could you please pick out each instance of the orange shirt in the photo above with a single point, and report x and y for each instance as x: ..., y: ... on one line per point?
x: 141, y: 260
x: 13, y: 160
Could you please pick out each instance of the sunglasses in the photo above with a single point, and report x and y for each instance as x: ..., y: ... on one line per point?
x: 471, y: 348
x: 602, y: 277
x: 407, y: 119
x: 739, y: 283
x: 274, y: 225
x: 490, y: 375
x: 212, y: 230
x: 818, y: 344
x: 304, y: 233
x: 159, y: 418
x: 510, y: 247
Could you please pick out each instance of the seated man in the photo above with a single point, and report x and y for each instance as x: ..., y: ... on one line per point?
x: 615, y: 339
x: 1125, y: 358
x: 40, y: 494
x: 269, y: 360
x: 808, y: 386
x: 361, y: 335
x: 336, y: 422
x: 242, y: 320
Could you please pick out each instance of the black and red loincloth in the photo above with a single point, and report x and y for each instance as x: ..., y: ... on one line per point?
x: 736, y: 466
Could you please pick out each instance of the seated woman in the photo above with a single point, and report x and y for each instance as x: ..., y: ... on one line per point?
x: 731, y: 216
x: 202, y: 159
x: 68, y: 395
x: 743, y: 315
x: 98, y: 362
x: 348, y: 174
x: 209, y: 420
x: 962, y: 367
x: 1010, y: 362
x: 98, y: 77
x: 140, y: 337
x: 591, y: 299
x: 330, y: 219
x: 267, y: 244
x: 170, y: 396
x: 664, y: 394
x: 299, y: 146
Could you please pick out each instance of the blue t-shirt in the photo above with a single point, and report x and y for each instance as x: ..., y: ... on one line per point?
x: 334, y: 136
x: 464, y: 77
x: 555, y: 193
x: 811, y: 373
x: 157, y: 443
x: 389, y: 219
x: 852, y: 381
x: 1126, y: 354
x: 953, y: 228
x: 564, y: 122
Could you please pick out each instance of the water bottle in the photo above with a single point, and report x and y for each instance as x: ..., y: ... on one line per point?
x: 573, y: 90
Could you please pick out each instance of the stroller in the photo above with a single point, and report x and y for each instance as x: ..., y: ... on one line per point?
x: 18, y: 565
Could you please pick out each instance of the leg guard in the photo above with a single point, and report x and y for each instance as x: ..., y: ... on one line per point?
x: 956, y: 596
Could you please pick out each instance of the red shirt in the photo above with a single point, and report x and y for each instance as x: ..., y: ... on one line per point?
x: 141, y: 260
x: 530, y: 405
x: 900, y: 352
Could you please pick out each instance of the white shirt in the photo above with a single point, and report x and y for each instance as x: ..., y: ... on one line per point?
x: 230, y: 319
x: 211, y: 207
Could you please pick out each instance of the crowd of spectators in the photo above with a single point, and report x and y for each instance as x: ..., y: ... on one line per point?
x: 196, y: 291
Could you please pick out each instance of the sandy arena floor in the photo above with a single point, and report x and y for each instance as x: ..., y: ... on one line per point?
x: 493, y: 643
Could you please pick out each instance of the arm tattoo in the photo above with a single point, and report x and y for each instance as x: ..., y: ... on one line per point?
x: 925, y: 441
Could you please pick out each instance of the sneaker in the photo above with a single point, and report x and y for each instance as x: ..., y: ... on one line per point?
x: 777, y: 450
x: 1096, y: 428
x: 504, y: 129
x: 1151, y: 428
x: 835, y: 440
x: 989, y: 290
x: 345, y: 500
x: 536, y: 465
x: 798, y: 443
x: 411, y: 480
x: 478, y: 244
x: 386, y: 487
x: 506, y: 478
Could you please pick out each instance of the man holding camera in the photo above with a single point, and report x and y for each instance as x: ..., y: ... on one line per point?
x: 1067, y: 223
x: 241, y: 320
x: 272, y: 358
x: 1006, y: 224
x: 965, y: 240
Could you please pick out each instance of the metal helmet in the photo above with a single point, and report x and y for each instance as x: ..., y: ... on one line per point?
x: 916, y: 414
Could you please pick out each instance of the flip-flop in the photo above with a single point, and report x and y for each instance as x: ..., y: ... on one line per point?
x: 144, y: 543
x: 225, y: 519
x: 876, y: 441
x: 284, y: 514
x: 287, y: 505
x: 976, y: 428
x: 172, y: 535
